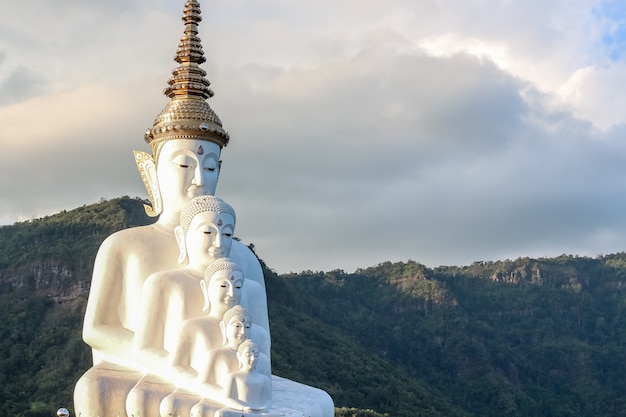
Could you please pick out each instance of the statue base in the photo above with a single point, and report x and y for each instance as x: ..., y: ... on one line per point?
x: 289, y: 399
x: 292, y: 399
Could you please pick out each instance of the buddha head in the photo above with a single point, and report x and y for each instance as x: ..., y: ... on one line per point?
x: 235, y: 326
x: 187, y: 136
x: 205, y: 232
x: 221, y: 286
x: 248, y: 355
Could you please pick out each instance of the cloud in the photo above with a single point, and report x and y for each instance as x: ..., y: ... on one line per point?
x: 593, y: 96
x: 65, y: 150
x: 21, y: 84
x: 440, y: 156
x: 360, y: 131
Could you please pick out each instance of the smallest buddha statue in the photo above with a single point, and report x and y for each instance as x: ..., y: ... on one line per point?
x: 247, y: 390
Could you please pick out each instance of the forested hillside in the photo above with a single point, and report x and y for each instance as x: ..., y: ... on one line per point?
x: 529, y: 337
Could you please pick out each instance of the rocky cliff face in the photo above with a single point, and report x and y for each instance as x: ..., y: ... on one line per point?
x: 53, y: 256
x: 47, y: 277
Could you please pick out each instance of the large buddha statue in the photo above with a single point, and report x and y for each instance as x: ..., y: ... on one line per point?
x: 186, y: 139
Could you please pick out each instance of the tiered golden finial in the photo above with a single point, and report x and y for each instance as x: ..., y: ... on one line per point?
x: 188, y: 115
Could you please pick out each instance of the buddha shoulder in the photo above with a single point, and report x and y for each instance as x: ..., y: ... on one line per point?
x: 135, y: 237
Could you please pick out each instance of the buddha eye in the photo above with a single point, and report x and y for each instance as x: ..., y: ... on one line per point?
x: 227, y: 234
x: 209, y: 169
x: 183, y: 161
x: 208, y: 232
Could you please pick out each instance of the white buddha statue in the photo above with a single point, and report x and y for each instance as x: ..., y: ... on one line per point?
x: 171, y: 297
x: 214, y: 377
x: 235, y: 328
x: 222, y: 286
x: 186, y: 140
x: 247, y: 390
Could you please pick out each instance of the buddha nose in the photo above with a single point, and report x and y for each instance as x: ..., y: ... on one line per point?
x: 218, y: 240
x: 197, y: 176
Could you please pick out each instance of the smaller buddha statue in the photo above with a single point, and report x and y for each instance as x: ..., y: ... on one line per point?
x: 170, y: 297
x: 204, y: 234
x: 222, y: 287
x: 222, y: 362
x: 247, y: 390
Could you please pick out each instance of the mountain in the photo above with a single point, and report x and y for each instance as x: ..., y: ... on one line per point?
x: 524, y: 337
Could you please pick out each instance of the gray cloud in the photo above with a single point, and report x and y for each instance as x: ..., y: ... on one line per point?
x: 437, y: 159
x: 351, y: 145
x: 21, y: 84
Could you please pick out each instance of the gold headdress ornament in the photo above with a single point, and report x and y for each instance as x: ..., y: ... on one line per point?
x: 187, y: 115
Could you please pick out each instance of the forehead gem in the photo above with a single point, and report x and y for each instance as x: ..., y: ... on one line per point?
x: 219, y: 222
x: 200, y: 150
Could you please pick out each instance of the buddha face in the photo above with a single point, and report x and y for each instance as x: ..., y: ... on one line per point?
x: 224, y: 290
x: 208, y: 238
x: 248, y: 357
x: 237, y: 330
x: 186, y: 168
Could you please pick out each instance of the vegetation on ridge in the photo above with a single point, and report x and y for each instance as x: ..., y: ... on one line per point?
x: 540, y: 337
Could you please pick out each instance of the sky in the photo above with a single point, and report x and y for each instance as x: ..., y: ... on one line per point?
x: 362, y: 131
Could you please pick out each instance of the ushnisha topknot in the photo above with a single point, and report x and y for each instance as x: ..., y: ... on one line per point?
x: 203, y: 204
x: 187, y: 115
x: 236, y: 311
x: 221, y: 264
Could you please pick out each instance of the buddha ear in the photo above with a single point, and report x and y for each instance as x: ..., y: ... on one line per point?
x: 182, y: 247
x: 205, y: 292
x: 147, y: 169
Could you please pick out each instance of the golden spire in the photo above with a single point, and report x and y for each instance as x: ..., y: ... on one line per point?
x: 188, y: 115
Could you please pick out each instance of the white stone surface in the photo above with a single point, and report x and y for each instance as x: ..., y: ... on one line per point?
x: 176, y: 329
